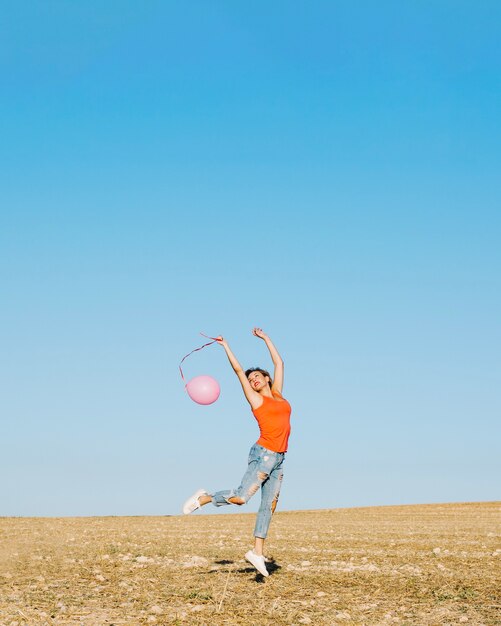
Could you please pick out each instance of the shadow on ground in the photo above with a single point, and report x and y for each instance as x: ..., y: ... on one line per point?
x: 271, y: 565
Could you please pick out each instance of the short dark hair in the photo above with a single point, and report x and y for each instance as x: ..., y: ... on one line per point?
x: 259, y: 369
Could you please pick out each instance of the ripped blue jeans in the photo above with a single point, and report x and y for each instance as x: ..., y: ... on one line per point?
x: 264, y: 470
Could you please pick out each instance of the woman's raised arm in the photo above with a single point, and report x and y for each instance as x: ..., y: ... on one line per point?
x: 253, y: 398
x: 278, y: 375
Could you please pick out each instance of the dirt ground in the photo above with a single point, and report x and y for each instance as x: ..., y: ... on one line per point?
x: 408, y: 565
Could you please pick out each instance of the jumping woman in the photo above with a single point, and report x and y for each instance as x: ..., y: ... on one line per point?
x: 266, y: 456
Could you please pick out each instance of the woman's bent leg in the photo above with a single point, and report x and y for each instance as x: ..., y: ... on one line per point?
x: 250, y: 483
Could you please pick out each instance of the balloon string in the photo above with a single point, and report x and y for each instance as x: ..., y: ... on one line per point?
x: 214, y: 340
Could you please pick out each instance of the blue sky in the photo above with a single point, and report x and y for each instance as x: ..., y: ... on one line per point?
x: 326, y: 171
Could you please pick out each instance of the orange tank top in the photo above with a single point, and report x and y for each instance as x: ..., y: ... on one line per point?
x: 273, y: 417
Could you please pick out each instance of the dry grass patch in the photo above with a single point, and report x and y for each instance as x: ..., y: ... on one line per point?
x: 406, y: 565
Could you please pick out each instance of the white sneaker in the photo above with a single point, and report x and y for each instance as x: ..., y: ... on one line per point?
x: 192, y: 503
x: 257, y: 561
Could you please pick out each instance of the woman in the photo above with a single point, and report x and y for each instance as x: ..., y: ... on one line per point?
x: 266, y: 456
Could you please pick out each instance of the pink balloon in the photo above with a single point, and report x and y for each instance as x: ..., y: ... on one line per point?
x: 203, y: 389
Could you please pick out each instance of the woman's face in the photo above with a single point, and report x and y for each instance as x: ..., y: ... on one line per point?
x: 258, y: 380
